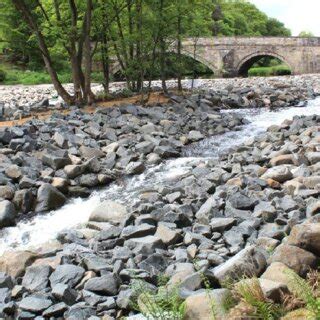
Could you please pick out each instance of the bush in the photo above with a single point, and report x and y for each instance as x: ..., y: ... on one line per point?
x: 280, y: 70
x: 3, y: 75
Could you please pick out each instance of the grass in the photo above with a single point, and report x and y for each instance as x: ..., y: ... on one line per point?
x: 279, y: 70
x: 15, y: 75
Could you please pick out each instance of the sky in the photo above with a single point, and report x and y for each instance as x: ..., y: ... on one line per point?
x: 297, y: 15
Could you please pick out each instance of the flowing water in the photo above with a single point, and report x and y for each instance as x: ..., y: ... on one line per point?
x: 41, y: 228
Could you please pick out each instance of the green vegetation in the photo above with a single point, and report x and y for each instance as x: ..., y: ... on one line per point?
x: 306, y: 292
x: 12, y: 75
x: 3, y: 76
x: 247, y: 300
x: 279, y: 70
x: 74, y: 38
x: 306, y: 34
x: 250, y: 294
x: 163, y: 303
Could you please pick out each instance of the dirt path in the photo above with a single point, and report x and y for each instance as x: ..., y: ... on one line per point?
x: 155, y: 98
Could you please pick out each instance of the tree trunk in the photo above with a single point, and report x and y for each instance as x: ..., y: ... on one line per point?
x: 162, y: 49
x: 105, y: 63
x: 88, y: 94
x: 31, y: 22
x: 179, y: 49
x: 139, y: 45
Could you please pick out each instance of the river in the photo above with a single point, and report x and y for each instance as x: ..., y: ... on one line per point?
x: 41, y: 228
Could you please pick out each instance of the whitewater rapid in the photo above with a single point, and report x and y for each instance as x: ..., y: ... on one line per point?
x: 42, y: 228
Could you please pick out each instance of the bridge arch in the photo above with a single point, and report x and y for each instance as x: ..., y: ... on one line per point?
x: 115, y: 66
x: 246, y: 63
x: 200, y: 59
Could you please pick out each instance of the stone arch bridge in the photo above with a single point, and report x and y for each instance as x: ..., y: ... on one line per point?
x: 233, y: 56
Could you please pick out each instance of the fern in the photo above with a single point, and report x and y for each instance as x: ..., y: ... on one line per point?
x: 250, y: 293
x: 164, y: 304
x: 302, y: 289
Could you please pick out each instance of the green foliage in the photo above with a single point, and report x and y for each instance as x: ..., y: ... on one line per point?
x: 303, y: 290
x: 245, y: 19
x: 250, y: 293
x: 306, y: 34
x: 280, y: 70
x: 136, y: 32
x: 3, y: 75
x: 164, y: 303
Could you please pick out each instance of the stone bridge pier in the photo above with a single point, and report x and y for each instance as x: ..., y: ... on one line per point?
x: 233, y: 56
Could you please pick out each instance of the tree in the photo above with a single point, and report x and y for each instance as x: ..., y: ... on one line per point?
x: 138, y: 35
x: 70, y: 25
x: 16, y: 39
x: 276, y: 28
x: 217, y: 17
x: 306, y: 34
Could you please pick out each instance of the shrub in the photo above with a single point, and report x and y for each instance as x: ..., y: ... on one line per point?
x: 3, y: 75
x: 280, y: 70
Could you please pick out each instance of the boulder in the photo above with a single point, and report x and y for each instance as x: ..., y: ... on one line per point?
x: 109, y: 211
x: 199, y: 305
x: 168, y: 236
x: 306, y: 236
x: 73, y: 170
x: 222, y: 224
x: 13, y: 172
x: 313, y: 157
x: 89, y: 153
x: 135, y: 168
x: 60, y: 140
x: 242, y: 202
x: 67, y: 274
x: 249, y: 262
x: 283, y: 159
x: 295, y: 258
x: 207, y: 210
x: 141, y: 230
x: 106, y: 285
x: 6, y: 281
x: 279, y: 273
x: 49, y: 198
x: 195, y: 135
x: 273, y: 290
x: 36, y: 278
x: 24, y: 200
x: 14, y: 263
x: 56, y: 160
x: 55, y: 311
x: 7, y: 214
x: 145, y: 246
x: 280, y: 174
x: 35, y: 304
x: 64, y: 293
x: 6, y: 192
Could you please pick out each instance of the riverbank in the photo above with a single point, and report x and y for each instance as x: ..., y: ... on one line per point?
x: 211, y: 212
x: 26, y: 101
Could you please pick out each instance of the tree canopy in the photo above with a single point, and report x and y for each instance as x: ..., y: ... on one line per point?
x: 79, y: 35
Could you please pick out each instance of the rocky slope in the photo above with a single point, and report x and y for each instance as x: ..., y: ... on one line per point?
x: 45, y: 162
x: 22, y: 101
x: 224, y: 218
